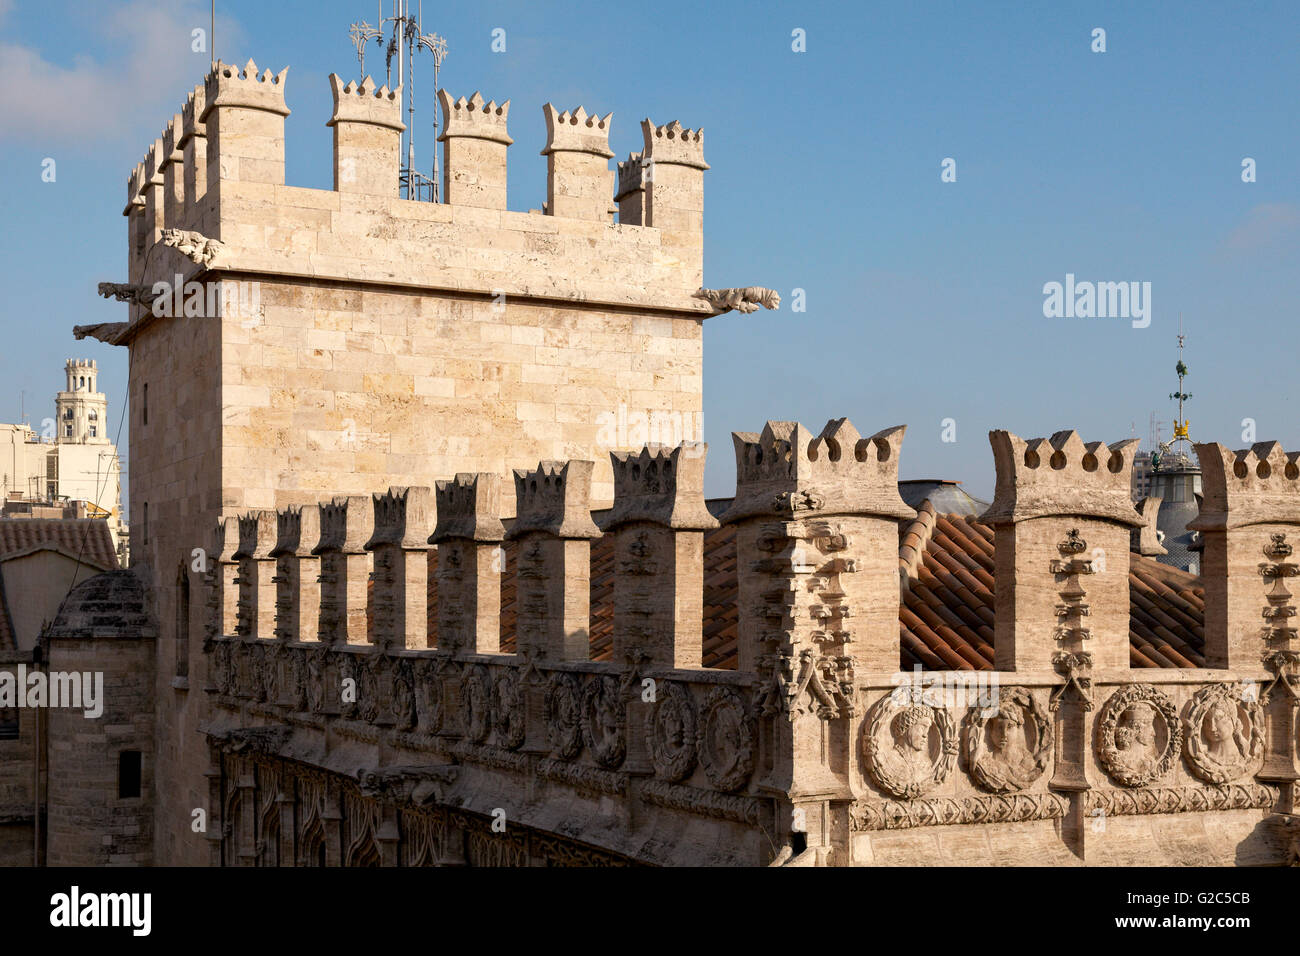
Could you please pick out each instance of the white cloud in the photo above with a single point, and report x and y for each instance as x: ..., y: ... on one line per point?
x: 1266, y: 225
x: 128, y: 91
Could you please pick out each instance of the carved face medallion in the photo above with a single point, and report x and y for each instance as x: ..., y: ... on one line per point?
x: 1225, y: 734
x: 603, y: 721
x: 1138, y: 735
x: 909, y: 746
x: 563, y: 715
x: 670, y: 728
x: 1009, y: 748
x: 726, y: 740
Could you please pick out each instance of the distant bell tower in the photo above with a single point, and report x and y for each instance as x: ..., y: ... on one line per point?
x: 81, y: 410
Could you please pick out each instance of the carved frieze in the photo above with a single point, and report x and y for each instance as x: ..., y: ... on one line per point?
x: 943, y: 811
x: 508, y: 709
x: 476, y: 702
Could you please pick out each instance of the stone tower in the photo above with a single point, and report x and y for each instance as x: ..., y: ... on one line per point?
x: 82, y: 410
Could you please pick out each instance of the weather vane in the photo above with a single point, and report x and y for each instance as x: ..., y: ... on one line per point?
x: 1180, y: 423
x: 405, y: 37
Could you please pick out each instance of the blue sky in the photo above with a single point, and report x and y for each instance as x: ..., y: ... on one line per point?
x: 924, y: 298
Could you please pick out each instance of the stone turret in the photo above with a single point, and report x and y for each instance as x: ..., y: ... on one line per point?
x: 1062, y: 514
x: 403, y: 519
x: 674, y: 188
x: 474, y: 152
x: 244, y: 114
x: 470, y: 562
x: 367, y: 124
x: 577, y: 164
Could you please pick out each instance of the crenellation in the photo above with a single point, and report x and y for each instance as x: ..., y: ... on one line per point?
x: 346, y: 524
x: 629, y: 191
x: 244, y: 115
x: 577, y: 164
x: 474, y: 142
x: 367, y: 124
x: 658, y: 521
x: 399, y: 544
x: 194, y: 146
x: 1248, y: 522
x: 470, y: 563
x: 674, y: 189
x: 297, y: 573
x: 257, y: 590
x: 1062, y: 514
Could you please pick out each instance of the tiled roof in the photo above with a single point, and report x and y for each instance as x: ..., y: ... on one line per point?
x: 87, y: 538
x: 945, y: 617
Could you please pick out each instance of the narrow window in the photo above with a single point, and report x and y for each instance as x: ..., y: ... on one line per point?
x: 94, y: 432
x: 183, y: 624
x: 144, y: 410
x: 146, y: 522
x: 128, y: 774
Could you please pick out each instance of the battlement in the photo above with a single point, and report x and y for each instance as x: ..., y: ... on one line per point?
x: 809, y: 723
x: 1061, y: 475
x: 786, y: 470
x: 345, y: 525
x: 660, y: 485
x: 219, y: 190
x: 673, y: 144
x: 365, y: 102
x: 555, y: 497
x: 229, y: 86
x: 403, y: 518
x: 1248, y: 486
x: 297, y: 532
x: 469, y: 507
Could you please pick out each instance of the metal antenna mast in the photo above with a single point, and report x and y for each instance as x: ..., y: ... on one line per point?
x: 403, y: 42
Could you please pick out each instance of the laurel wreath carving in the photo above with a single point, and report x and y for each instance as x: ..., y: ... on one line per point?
x: 476, y: 699
x: 562, y: 709
x: 1108, y: 752
x: 672, y: 762
x: 601, y: 705
x: 989, y: 770
x: 879, y: 735
x: 728, y: 761
x: 508, y: 710
x: 1204, y: 764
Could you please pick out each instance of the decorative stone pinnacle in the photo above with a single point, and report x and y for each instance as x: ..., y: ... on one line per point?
x: 555, y: 497
x: 673, y: 144
x: 787, y: 471
x: 229, y: 86
x: 257, y: 532
x: 171, y: 152
x: 473, y: 118
x: 576, y: 132
x: 403, y: 517
x: 345, y: 525
x: 660, y: 484
x: 134, y: 188
x: 469, y: 507
x: 364, y: 103
x: 1255, y: 485
x: 1061, y: 476
x: 297, y: 531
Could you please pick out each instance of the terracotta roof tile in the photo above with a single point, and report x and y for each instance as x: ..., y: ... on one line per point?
x: 946, y: 614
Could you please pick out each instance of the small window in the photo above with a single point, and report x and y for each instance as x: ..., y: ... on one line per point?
x: 94, y: 431
x: 67, y: 430
x: 128, y: 774
x: 83, y: 381
x: 8, y: 723
x: 183, y: 623
x: 94, y: 415
x: 144, y: 405
x: 146, y: 522
x: 67, y: 414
